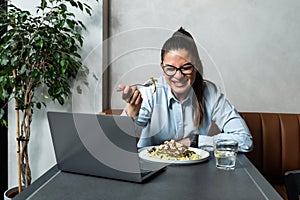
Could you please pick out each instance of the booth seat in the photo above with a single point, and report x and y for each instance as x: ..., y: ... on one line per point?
x: 276, y: 144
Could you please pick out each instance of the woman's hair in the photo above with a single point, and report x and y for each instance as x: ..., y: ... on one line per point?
x: 182, y: 39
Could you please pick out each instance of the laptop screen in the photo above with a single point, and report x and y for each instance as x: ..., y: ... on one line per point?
x: 100, y: 145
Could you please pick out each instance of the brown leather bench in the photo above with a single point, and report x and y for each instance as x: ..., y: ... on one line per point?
x: 276, y: 142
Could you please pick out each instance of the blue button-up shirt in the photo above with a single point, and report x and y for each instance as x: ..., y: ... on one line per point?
x: 162, y: 117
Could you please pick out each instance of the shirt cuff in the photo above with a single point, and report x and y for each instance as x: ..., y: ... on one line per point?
x: 206, y: 142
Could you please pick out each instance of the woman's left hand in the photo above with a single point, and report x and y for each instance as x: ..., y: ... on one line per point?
x: 185, y: 141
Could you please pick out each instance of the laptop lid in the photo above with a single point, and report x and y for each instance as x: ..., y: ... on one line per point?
x: 97, y: 145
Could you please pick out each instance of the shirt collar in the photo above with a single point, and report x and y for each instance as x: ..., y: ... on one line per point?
x: 172, y: 98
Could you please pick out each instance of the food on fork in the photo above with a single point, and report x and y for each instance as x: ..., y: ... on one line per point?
x: 153, y: 81
x: 172, y: 150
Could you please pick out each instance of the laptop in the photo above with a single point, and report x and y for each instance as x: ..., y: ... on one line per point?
x: 99, y: 145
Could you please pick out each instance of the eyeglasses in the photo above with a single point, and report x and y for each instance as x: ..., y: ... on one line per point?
x: 185, y: 69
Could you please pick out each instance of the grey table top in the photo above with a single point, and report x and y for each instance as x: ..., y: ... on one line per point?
x: 197, y: 181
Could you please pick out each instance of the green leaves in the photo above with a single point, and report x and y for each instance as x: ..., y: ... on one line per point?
x: 4, y: 94
x: 23, y: 69
x: 41, y: 49
x: 63, y: 66
x: 39, y: 41
x: 2, y: 121
x: 63, y: 7
x: 4, y: 59
x: 14, y: 61
x: 34, y: 74
x: 43, y: 4
x: 38, y: 105
x: 38, y: 52
x: 71, y: 23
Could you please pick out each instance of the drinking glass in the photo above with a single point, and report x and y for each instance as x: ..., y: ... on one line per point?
x: 225, y: 151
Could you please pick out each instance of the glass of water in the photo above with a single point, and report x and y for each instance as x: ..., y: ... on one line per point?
x: 225, y: 151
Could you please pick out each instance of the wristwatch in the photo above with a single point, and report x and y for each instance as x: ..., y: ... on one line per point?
x: 194, y: 140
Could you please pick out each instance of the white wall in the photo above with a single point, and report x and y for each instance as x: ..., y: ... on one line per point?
x: 250, y: 47
x: 41, y: 151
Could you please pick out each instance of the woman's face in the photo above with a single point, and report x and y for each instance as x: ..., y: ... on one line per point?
x: 179, y: 83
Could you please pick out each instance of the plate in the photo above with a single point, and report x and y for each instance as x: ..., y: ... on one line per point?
x: 204, y: 155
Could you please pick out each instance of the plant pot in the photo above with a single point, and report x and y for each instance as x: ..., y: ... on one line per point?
x: 11, y: 193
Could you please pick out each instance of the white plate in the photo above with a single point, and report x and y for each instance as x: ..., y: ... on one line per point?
x: 204, y: 155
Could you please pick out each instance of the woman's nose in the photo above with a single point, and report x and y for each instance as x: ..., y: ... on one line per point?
x: 178, y: 74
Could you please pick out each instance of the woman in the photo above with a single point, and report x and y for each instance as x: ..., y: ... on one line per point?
x: 183, y: 104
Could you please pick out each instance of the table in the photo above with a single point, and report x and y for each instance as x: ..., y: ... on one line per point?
x: 197, y: 181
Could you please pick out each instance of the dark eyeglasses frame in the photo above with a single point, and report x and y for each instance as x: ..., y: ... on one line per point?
x: 178, y: 69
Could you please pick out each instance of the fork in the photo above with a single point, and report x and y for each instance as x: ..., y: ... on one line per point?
x: 139, y: 84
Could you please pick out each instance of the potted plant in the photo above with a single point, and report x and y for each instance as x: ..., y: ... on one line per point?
x: 38, y: 50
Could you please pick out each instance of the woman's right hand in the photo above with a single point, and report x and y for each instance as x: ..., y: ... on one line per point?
x: 133, y: 98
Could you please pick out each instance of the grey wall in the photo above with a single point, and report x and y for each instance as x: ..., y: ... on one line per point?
x: 41, y: 152
x: 249, y: 47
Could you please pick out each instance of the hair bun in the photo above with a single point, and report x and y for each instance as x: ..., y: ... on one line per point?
x: 182, y: 32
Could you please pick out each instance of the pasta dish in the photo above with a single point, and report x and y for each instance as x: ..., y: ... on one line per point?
x: 172, y: 150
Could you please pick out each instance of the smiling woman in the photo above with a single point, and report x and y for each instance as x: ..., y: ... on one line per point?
x: 184, y: 104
